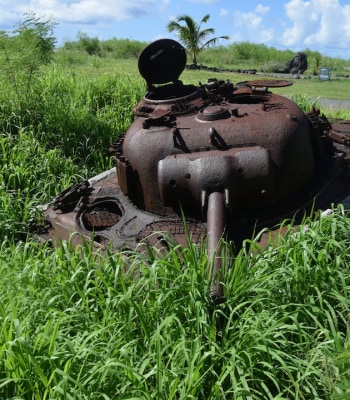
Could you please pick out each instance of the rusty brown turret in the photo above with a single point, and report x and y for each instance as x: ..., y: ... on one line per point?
x: 224, y: 157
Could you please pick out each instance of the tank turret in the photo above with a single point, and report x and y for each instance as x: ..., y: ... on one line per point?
x: 226, y: 157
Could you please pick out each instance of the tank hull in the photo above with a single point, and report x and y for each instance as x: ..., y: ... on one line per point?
x: 203, y: 163
x: 101, y: 214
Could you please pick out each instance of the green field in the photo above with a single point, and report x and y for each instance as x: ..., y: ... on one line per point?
x: 74, y: 326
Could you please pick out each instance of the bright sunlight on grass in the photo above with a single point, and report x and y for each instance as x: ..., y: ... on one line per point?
x: 76, y: 324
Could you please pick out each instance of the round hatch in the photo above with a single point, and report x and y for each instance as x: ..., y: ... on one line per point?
x: 271, y: 83
x: 162, y: 61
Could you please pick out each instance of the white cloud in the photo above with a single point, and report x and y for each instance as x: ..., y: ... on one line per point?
x: 223, y: 12
x: 293, y: 24
x: 8, y: 14
x: 260, y: 9
x: 266, y: 35
x: 346, y: 16
x: 247, y: 20
x: 317, y: 23
x: 86, y: 11
x: 250, y: 26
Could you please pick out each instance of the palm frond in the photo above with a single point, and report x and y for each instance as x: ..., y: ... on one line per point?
x: 191, y: 35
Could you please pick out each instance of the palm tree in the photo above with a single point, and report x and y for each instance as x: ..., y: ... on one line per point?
x: 191, y: 35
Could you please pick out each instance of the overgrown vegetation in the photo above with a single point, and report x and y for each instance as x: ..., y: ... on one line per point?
x: 23, y: 51
x: 74, y: 325
x: 239, y: 55
x: 246, y: 55
x: 115, y: 48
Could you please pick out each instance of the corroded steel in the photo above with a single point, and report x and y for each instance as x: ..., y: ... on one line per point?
x: 226, y: 158
x: 261, y: 83
x: 216, y: 221
x: 243, y: 132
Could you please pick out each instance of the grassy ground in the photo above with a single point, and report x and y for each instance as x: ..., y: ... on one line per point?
x: 73, y: 325
x: 311, y: 86
x: 337, y: 88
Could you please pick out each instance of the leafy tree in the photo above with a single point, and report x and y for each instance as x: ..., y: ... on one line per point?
x: 191, y: 35
x: 23, y: 51
x: 90, y: 45
x: 122, y: 48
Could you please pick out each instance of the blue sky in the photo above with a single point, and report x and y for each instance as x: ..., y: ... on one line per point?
x: 321, y: 25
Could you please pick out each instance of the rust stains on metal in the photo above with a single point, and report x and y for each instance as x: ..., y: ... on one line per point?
x: 220, y: 155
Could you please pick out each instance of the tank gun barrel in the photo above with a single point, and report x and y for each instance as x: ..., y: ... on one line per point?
x: 216, y: 223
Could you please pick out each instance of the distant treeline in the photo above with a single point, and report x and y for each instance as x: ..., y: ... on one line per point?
x: 117, y: 48
x: 236, y: 55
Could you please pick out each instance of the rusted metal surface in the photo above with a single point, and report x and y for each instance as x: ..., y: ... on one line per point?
x: 216, y: 220
x: 211, y: 135
x: 225, y: 157
x: 339, y: 132
x: 268, y: 83
x: 163, y: 62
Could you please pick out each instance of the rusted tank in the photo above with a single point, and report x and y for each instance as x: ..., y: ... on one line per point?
x: 224, y: 158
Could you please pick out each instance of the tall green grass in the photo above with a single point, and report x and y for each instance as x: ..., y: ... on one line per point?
x: 78, y: 114
x: 30, y: 175
x: 85, y: 115
x: 76, y: 324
